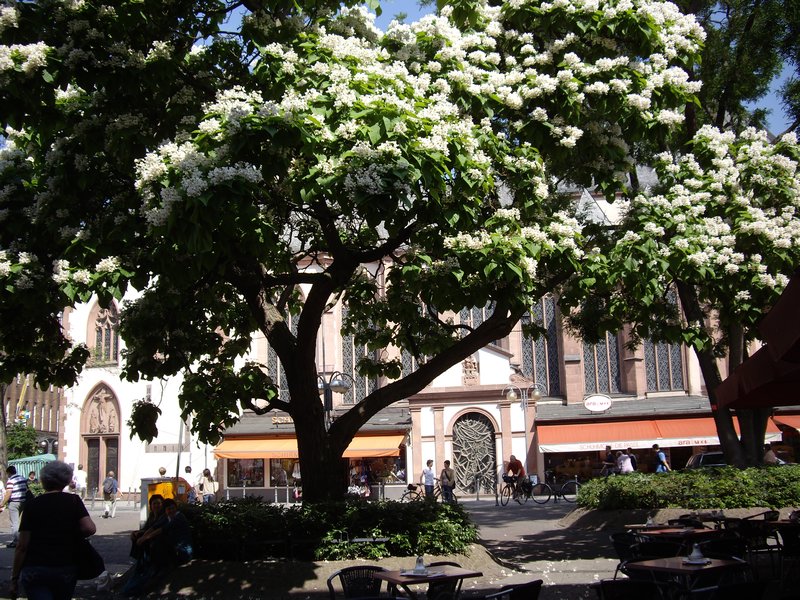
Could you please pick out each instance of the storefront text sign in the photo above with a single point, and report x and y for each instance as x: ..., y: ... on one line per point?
x: 597, y: 403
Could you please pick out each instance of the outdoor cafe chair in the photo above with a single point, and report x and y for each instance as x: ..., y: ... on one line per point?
x: 731, y: 546
x: 762, y: 540
x: 356, y: 582
x: 741, y: 590
x: 520, y: 591
x: 790, y: 555
x: 624, y: 543
x: 444, y: 590
x: 626, y: 589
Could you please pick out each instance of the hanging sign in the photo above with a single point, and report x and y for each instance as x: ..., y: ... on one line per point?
x: 597, y: 403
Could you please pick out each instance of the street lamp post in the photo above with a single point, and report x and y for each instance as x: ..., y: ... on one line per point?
x: 533, y: 392
x: 337, y: 382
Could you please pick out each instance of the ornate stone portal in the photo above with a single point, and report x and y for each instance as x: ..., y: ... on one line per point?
x: 474, y: 453
x: 103, y: 417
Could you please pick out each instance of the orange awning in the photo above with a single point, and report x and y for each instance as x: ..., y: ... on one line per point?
x: 375, y: 446
x: 362, y: 446
x: 259, y: 448
x: 635, y: 434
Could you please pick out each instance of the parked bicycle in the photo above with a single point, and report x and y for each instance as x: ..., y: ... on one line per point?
x: 417, y: 492
x: 542, y: 491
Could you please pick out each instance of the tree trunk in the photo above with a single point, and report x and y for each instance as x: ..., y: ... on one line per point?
x: 3, y: 425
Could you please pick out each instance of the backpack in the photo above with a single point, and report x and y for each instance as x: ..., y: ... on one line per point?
x: 108, y: 486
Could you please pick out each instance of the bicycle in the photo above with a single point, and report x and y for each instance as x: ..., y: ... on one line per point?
x: 515, y: 489
x: 543, y: 491
x: 416, y: 493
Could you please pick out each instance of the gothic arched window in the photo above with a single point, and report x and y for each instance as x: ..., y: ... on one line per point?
x: 103, y: 336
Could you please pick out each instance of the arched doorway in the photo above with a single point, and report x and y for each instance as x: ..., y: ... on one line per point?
x: 474, y: 453
x: 100, y: 435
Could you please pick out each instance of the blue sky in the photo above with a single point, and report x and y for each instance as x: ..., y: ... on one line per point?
x: 778, y: 121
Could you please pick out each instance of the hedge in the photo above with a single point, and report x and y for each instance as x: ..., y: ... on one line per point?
x: 249, y: 528
x: 725, y: 487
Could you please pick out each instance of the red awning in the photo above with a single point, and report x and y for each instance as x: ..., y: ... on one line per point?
x: 792, y: 421
x: 780, y: 329
x: 590, y: 437
x: 771, y: 377
x: 761, y: 381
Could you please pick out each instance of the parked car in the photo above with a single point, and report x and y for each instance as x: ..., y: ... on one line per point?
x: 706, y: 459
x: 713, y: 459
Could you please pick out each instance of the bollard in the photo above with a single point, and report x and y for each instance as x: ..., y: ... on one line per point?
x: 94, y: 496
x: 496, y: 495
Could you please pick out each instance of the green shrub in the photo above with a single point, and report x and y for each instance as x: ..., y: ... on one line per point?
x: 725, y: 487
x: 248, y: 528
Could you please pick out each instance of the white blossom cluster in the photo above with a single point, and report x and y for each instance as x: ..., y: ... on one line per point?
x: 8, y: 17
x: 366, y: 106
x: 29, y: 57
x: 730, y: 208
x: 196, y: 172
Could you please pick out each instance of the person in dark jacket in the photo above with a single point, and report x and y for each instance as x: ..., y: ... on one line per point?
x: 50, y: 531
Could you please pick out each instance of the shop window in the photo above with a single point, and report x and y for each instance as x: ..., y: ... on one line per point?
x: 540, y: 354
x: 245, y: 472
x: 281, y: 472
x: 601, y: 366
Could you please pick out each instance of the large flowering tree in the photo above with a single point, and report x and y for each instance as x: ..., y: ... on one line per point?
x: 237, y: 173
x: 699, y: 258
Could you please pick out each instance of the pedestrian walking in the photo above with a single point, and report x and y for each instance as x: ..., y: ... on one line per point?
x: 14, y: 501
x: 80, y: 477
x: 447, y: 478
x: 661, y: 464
x: 110, y: 495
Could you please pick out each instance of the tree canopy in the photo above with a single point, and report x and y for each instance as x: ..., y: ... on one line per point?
x: 237, y: 172
x: 702, y: 256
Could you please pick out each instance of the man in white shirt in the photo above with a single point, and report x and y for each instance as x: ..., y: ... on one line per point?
x: 80, y: 477
x: 428, y: 479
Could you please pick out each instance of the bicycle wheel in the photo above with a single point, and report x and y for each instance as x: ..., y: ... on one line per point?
x: 410, y: 496
x: 541, y: 493
x: 505, y: 494
x: 569, y: 491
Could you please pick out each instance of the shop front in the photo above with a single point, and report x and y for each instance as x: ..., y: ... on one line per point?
x: 577, y: 446
x: 266, y: 464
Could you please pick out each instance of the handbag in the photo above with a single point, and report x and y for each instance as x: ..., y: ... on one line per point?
x: 90, y: 563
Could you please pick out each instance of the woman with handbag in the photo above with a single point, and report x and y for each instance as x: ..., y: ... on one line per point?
x: 207, y: 487
x: 52, y: 537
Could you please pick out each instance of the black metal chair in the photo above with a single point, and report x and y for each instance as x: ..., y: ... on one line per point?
x: 522, y: 591
x: 624, y: 543
x: 762, y: 540
x: 686, y: 521
x: 444, y: 590
x: 790, y: 556
x: 731, y: 546
x: 356, y: 582
x: 741, y: 590
x: 626, y: 589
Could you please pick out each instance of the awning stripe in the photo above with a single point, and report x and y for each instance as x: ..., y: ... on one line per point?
x: 590, y: 437
x: 363, y: 446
